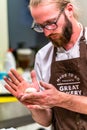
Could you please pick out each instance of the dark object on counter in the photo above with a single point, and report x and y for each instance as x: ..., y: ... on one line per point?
x: 25, y: 57
x: 40, y: 129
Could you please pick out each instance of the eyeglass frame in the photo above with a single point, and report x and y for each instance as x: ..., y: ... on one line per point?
x: 39, y: 28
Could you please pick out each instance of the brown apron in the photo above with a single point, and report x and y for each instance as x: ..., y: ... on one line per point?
x: 70, y: 76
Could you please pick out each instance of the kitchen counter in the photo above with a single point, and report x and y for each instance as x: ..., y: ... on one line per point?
x: 13, y: 113
x: 16, y: 122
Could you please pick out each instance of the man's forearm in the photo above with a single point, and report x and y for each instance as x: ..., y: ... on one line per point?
x: 73, y: 102
x: 42, y: 116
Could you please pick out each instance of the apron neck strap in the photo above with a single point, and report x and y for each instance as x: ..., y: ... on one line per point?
x: 83, y: 46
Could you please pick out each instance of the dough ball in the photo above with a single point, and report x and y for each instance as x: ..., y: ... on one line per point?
x: 30, y: 90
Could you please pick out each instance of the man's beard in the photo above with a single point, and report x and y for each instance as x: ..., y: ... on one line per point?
x: 63, y: 38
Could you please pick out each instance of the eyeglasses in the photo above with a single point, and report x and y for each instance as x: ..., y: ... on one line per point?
x: 49, y: 26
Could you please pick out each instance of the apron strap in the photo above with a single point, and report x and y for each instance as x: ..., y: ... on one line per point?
x: 54, y: 54
x: 83, y: 46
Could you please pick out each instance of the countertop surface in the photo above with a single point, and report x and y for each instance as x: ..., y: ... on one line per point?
x: 13, y: 113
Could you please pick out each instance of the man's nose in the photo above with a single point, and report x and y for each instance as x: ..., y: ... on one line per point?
x: 47, y: 32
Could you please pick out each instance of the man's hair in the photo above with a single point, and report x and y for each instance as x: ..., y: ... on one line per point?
x: 59, y: 3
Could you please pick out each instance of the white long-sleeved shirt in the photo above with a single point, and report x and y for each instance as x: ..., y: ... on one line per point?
x: 44, y: 56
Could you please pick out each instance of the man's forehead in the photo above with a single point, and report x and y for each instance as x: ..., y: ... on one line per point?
x: 44, y: 14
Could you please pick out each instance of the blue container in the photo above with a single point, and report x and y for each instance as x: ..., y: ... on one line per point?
x: 2, y: 74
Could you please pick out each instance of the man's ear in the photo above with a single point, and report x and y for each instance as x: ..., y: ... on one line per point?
x: 69, y: 9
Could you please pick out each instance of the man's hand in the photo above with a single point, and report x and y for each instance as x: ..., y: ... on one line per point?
x: 45, y: 99
x: 17, y: 86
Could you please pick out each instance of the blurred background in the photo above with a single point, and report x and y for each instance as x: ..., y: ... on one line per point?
x: 18, y: 46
